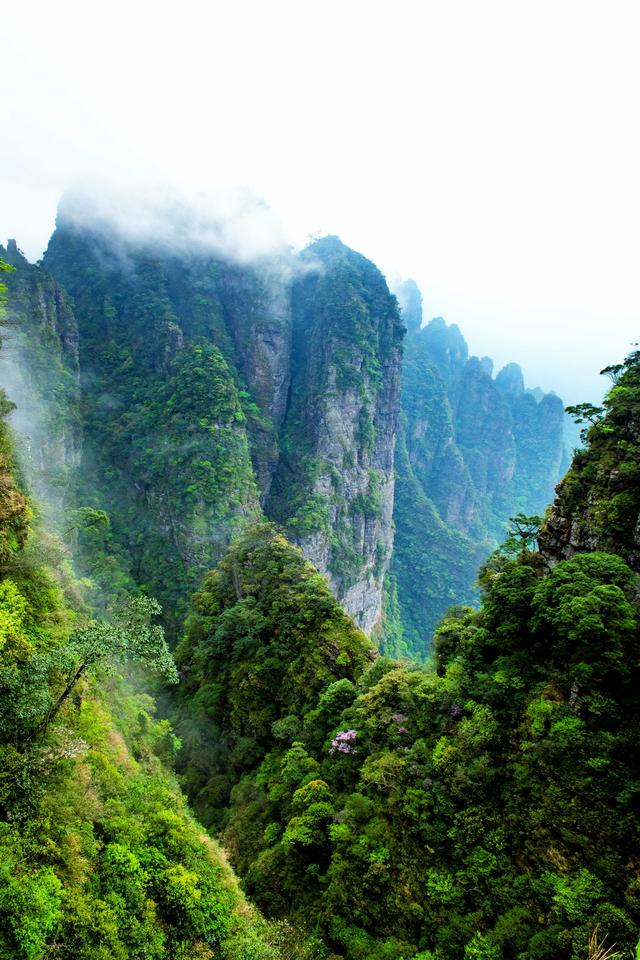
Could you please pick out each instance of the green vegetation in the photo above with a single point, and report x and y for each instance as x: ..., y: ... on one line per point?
x: 263, y: 640
x: 465, y: 812
x: 168, y: 418
x: 340, y: 423
x: 600, y: 495
x: 100, y: 857
x: 482, y: 807
x: 472, y: 451
x: 4, y: 268
x: 45, y: 390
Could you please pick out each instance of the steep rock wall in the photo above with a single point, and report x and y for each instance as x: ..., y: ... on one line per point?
x: 168, y: 416
x: 333, y: 491
x: 40, y: 372
x: 474, y: 451
x: 597, y: 504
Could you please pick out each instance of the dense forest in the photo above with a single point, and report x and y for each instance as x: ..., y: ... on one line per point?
x: 279, y: 678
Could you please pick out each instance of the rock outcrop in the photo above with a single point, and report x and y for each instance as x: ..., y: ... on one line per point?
x: 41, y: 375
x: 334, y: 487
x: 474, y: 451
x: 211, y: 392
x: 597, y: 504
x: 168, y: 415
x: 193, y: 365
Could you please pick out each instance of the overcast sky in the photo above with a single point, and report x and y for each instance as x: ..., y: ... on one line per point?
x: 489, y: 149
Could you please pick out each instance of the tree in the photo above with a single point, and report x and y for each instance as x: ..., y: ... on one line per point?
x: 87, y: 518
x: 522, y: 533
x: 128, y: 639
x: 4, y: 268
x: 586, y: 413
x: 613, y: 371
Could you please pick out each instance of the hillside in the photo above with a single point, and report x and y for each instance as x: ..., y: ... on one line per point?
x: 193, y: 395
x: 473, y: 451
x: 239, y: 454
x: 486, y: 808
x: 100, y: 856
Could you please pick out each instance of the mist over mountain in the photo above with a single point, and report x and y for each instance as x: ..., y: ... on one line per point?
x: 474, y: 450
x: 310, y: 430
x: 269, y: 568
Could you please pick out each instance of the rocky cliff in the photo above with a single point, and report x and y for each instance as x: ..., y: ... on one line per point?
x: 40, y: 372
x: 212, y: 387
x: 597, y: 505
x: 333, y: 491
x: 170, y: 420
x: 212, y: 392
x: 474, y: 451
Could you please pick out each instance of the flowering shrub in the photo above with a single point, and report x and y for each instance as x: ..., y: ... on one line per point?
x: 344, y: 742
x: 399, y: 717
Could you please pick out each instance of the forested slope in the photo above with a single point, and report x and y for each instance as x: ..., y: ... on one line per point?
x: 100, y: 856
x: 485, y: 808
x: 473, y: 450
x: 479, y: 807
x: 190, y: 394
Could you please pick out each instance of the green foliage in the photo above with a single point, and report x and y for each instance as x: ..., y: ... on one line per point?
x: 170, y: 423
x: 29, y: 908
x: 4, y: 268
x: 100, y: 858
x: 587, y: 412
x: 599, y: 499
x: 521, y: 533
x: 482, y: 808
x: 264, y: 639
x: 433, y: 565
x: 464, y: 813
x: 472, y: 452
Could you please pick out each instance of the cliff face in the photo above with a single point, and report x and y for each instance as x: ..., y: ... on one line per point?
x: 168, y: 415
x: 475, y: 451
x: 597, y: 505
x: 333, y: 491
x: 212, y: 387
x: 503, y: 443
x: 215, y: 392
x: 40, y: 372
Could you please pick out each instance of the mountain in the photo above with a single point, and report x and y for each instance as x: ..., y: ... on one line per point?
x: 481, y: 805
x: 474, y: 450
x: 303, y: 356
x: 485, y: 807
x: 333, y: 490
x: 201, y: 394
x: 217, y: 392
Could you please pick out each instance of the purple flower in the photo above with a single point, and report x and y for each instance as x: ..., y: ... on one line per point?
x: 344, y: 742
x: 456, y: 710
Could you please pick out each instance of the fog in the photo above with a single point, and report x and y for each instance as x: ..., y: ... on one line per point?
x: 488, y: 150
x: 232, y: 223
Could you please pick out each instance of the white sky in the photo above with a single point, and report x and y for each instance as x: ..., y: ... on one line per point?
x: 489, y: 149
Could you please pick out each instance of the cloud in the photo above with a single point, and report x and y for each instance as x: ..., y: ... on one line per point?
x: 232, y: 223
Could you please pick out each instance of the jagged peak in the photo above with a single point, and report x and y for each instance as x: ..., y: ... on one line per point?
x: 410, y: 300
x: 446, y: 341
x: 510, y: 380
x: 486, y: 365
x: 13, y: 254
